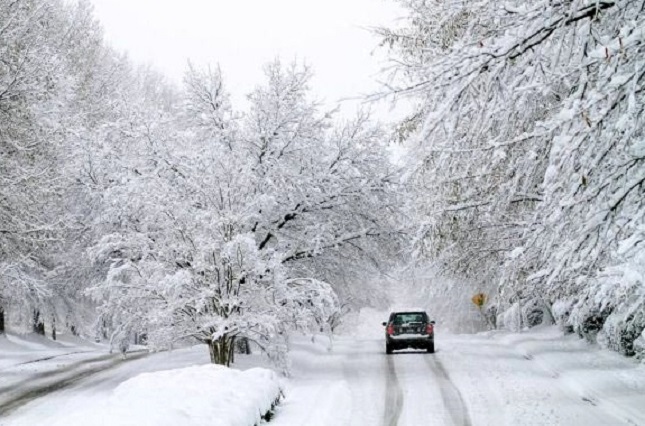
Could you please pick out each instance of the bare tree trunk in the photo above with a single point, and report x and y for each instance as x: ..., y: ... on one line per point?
x: 220, y: 350
x: 211, y: 351
x: 231, y: 352
x: 2, y: 331
x: 38, y: 324
x: 53, y: 327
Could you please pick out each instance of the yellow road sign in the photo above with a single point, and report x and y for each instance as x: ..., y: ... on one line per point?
x: 479, y: 299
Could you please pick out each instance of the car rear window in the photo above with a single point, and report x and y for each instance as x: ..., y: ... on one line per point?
x: 408, y: 317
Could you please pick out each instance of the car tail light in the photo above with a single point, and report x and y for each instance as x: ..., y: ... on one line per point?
x: 429, y: 329
x: 390, y: 329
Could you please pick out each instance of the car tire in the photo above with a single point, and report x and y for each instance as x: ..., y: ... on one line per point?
x: 431, y: 348
x: 388, y: 349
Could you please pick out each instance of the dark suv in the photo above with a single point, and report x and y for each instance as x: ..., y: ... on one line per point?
x: 409, y: 329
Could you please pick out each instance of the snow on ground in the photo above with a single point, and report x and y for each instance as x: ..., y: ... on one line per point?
x: 342, y: 386
x: 79, y: 383
x: 539, y: 377
x: 33, y: 365
x: 22, y: 349
x: 206, y: 395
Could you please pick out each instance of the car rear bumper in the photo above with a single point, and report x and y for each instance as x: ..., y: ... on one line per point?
x: 409, y: 340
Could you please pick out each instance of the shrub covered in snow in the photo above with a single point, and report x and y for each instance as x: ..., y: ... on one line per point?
x: 611, y: 308
x: 587, y: 318
x: 561, y: 310
x: 624, y: 287
x: 509, y: 319
x: 533, y: 313
x: 639, y: 346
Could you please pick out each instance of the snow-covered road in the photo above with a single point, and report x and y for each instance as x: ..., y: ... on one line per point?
x: 28, y: 381
x: 538, y: 378
x: 534, y: 378
x: 358, y: 384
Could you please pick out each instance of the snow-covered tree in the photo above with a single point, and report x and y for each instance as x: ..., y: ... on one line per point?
x: 39, y: 42
x: 527, y: 142
x: 222, y: 216
x: 68, y: 104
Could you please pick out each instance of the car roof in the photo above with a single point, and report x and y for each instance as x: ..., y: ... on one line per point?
x: 407, y: 309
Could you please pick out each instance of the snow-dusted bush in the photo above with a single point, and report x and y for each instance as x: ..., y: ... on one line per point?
x: 561, y: 310
x: 623, y: 327
x: 623, y: 286
x: 587, y: 318
x: 535, y: 313
x: 611, y: 308
x: 639, y: 346
x: 510, y: 319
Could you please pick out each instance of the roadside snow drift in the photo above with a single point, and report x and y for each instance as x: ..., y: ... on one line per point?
x: 201, y: 395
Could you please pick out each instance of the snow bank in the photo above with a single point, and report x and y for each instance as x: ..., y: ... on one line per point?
x: 200, y: 395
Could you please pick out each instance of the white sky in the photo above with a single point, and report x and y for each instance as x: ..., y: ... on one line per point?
x: 242, y: 35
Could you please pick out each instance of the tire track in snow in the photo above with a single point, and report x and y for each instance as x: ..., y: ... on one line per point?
x: 33, y: 361
x: 365, y: 370
x: 451, y: 396
x: 393, y: 395
x: 36, y: 392
x: 41, y: 376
